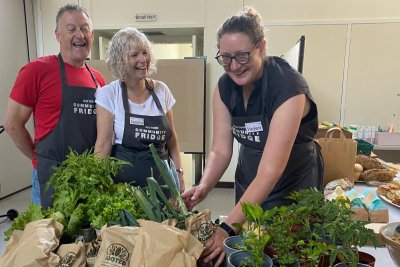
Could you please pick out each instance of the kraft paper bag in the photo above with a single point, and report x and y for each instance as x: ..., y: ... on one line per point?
x: 200, y: 225
x: 117, y: 246
x: 72, y: 255
x: 92, y: 249
x: 34, y: 246
x: 339, y: 156
x: 163, y: 245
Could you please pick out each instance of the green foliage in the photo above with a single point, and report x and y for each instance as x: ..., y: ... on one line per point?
x: 170, y: 175
x: 316, y: 220
x: 127, y: 219
x: 85, y: 193
x: 152, y: 200
x: 106, y: 207
x: 254, y: 237
x: 350, y: 234
x: 32, y: 213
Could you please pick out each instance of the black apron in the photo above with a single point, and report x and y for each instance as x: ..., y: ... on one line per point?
x: 139, y: 132
x: 76, y: 129
x: 304, y: 168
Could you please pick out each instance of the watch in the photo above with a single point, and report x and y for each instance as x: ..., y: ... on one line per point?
x: 179, y: 170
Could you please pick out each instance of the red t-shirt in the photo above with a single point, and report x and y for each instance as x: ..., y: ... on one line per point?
x: 38, y: 85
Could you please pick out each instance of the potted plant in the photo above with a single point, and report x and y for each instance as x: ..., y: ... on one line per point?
x: 254, y: 238
x: 348, y: 234
x: 297, y: 237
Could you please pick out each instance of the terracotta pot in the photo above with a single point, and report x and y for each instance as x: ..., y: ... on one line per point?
x: 365, y: 260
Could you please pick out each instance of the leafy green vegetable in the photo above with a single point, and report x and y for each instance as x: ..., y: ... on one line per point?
x: 105, y: 208
x: 32, y: 213
x: 169, y: 175
x: 85, y: 193
x: 153, y: 201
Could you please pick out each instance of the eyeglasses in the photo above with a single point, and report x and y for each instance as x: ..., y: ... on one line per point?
x: 241, y: 58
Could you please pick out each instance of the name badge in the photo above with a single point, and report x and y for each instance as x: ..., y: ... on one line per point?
x: 253, y: 127
x: 136, y: 121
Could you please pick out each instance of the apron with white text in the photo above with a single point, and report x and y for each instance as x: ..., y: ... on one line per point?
x: 139, y: 132
x: 303, y: 169
x: 75, y: 129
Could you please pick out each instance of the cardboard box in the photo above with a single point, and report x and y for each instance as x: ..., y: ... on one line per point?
x: 375, y: 216
x: 322, y: 131
x: 379, y: 216
x: 387, y: 139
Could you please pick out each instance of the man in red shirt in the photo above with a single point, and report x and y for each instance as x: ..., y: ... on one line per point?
x: 59, y: 91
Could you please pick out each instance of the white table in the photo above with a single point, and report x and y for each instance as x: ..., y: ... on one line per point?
x: 381, y: 254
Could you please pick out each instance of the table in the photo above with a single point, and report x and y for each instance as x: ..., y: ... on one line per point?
x: 381, y: 254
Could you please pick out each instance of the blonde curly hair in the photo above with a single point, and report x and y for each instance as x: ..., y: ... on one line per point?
x: 118, y: 51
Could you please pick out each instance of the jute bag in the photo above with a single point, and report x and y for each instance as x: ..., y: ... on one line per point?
x: 339, y: 156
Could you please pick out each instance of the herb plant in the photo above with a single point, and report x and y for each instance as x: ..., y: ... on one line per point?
x: 85, y: 193
x: 254, y: 236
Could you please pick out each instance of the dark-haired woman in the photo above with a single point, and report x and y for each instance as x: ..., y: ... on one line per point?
x: 267, y: 107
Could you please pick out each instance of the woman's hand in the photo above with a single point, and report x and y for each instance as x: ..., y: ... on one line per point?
x: 194, y: 196
x: 214, y: 248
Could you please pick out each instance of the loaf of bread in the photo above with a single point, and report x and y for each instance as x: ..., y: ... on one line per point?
x: 380, y: 175
x: 368, y: 163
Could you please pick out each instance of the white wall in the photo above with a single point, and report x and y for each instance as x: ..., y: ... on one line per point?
x: 15, y: 168
x: 351, y: 45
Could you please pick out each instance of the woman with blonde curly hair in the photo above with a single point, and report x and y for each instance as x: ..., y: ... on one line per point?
x: 135, y: 111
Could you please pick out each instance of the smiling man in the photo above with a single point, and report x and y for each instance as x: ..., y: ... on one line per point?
x: 59, y: 91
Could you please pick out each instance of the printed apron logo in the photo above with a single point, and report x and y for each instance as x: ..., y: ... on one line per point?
x: 251, y: 131
x: 87, y: 107
x: 150, y: 134
x: 136, y: 121
x: 117, y: 255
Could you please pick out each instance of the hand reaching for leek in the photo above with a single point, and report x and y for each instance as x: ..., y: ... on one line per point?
x: 194, y: 196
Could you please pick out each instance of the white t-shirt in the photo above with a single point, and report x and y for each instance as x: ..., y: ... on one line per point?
x: 110, y: 98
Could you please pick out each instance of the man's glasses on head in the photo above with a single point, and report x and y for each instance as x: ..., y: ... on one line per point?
x: 241, y: 58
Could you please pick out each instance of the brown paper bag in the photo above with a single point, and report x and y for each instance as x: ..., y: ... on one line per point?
x: 200, y: 225
x: 117, y: 245
x: 92, y: 249
x: 162, y: 245
x: 339, y: 156
x: 72, y: 255
x: 34, y: 246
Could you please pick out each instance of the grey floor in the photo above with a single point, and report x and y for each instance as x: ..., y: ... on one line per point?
x: 219, y: 201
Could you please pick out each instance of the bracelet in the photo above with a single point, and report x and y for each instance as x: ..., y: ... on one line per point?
x: 179, y: 171
x: 227, y: 229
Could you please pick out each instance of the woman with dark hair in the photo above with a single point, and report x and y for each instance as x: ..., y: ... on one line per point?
x: 267, y: 107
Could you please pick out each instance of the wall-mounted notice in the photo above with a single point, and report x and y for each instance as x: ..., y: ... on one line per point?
x: 145, y: 17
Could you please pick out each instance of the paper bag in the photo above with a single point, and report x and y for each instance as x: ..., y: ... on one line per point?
x: 92, y: 249
x: 72, y: 255
x: 117, y: 246
x: 339, y: 156
x: 34, y: 246
x: 162, y: 245
x: 200, y: 225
